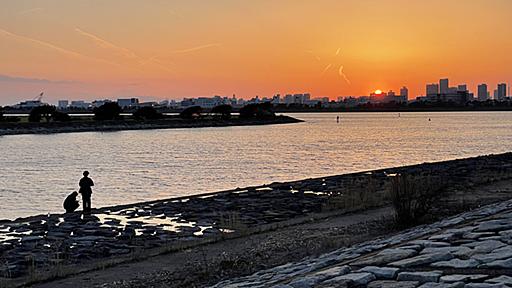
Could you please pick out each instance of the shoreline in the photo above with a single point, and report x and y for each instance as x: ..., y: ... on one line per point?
x: 297, y: 182
x: 123, y: 125
x: 134, y: 232
x: 327, y: 110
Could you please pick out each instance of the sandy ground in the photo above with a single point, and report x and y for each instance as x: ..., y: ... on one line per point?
x: 211, y: 263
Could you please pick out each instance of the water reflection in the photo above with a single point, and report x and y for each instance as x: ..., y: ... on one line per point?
x: 38, y: 171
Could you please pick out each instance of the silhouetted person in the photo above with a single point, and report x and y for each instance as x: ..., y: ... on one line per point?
x: 70, y: 204
x: 85, y: 189
x: 337, y: 119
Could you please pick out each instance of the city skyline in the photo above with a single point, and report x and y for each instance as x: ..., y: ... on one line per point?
x: 171, y: 50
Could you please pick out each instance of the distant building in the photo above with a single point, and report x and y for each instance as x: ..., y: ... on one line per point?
x: 99, y: 103
x: 323, y: 99
x: 459, y: 97
x: 451, y: 90
x: 148, y: 104
x: 276, y: 99
x: 187, y: 102
x: 29, y: 104
x: 404, y: 92
x: 63, y: 104
x: 126, y: 103
x: 208, y: 102
x: 432, y: 89
x: 297, y: 98
x: 462, y: 88
x: 388, y: 97
x: 80, y: 104
x: 482, y: 93
x: 502, y: 91
x: 443, y: 86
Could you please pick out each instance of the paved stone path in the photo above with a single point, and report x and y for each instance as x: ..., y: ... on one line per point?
x: 473, y: 249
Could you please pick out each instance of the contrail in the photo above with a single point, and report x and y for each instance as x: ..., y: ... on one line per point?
x: 326, y: 68
x: 197, y: 48
x: 340, y: 71
x: 64, y: 51
x: 330, y: 65
x: 313, y: 53
x: 108, y: 45
x: 102, y: 43
x: 155, y: 61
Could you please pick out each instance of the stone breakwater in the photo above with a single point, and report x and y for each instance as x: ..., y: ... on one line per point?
x: 105, y: 126
x: 45, y: 246
x: 473, y: 249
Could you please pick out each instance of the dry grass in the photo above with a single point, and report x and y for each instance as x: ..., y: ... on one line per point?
x: 413, y: 197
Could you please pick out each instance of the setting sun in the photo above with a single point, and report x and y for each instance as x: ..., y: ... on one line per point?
x: 378, y: 92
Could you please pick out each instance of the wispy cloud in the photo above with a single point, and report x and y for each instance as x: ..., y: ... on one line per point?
x: 42, y: 43
x: 29, y: 11
x: 197, y: 48
x: 7, y: 78
x: 67, y: 52
x: 122, y: 51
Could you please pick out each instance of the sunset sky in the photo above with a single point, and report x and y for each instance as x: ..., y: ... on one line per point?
x: 98, y: 49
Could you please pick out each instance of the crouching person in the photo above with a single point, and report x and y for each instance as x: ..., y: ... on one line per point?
x: 71, y: 204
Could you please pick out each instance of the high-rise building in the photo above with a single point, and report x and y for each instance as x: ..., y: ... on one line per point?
x: 502, y: 91
x: 482, y: 92
x: 432, y: 89
x: 404, y: 92
x: 462, y: 88
x: 443, y: 86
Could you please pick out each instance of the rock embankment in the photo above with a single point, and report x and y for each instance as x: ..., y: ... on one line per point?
x: 473, y: 249
x: 39, y: 247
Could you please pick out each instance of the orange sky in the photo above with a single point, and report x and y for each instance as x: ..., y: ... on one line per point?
x: 96, y: 49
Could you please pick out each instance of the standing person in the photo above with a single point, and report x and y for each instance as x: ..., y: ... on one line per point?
x: 85, y: 189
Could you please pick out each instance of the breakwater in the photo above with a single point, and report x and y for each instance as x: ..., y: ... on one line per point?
x: 45, y: 246
x: 7, y: 128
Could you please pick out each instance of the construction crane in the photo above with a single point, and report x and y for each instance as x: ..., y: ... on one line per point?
x: 39, y: 97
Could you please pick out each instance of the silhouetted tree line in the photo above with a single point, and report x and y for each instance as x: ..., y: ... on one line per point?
x: 260, y: 110
x: 3, y: 118
x: 49, y: 113
x: 107, y: 111
x: 147, y: 113
x: 192, y: 112
x: 249, y: 111
x: 224, y: 111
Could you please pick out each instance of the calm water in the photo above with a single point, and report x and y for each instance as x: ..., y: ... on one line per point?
x: 38, y: 171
